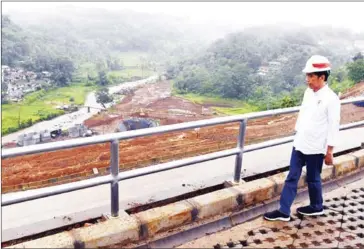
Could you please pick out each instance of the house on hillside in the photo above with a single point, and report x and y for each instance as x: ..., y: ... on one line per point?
x: 21, y: 82
x: 282, y: 59
x: 274, y: 64
x: 15, y: 93
x: 263, y: 71
x: 46, y: 74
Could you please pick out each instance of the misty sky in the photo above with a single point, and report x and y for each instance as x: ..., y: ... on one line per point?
x: 338, y: 14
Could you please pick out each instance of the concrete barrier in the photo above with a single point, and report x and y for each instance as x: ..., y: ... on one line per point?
x: 147, y: 224
x: 280, y: 178
x: 163, y: 218
x: 327, y: 173
x: 255, y: 191
x: 60, y: 240
x: 123, y: 229
x: 344, y: 164
x: 359, y: 155
x: 215, y: 203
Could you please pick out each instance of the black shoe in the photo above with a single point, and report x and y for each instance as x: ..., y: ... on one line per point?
x: 309, y: 211
x: 276, y: 215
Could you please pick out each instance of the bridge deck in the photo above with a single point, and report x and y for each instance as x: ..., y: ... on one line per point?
x: 52, y: 212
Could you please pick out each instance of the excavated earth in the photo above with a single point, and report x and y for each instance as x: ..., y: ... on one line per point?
x: 154, y: 102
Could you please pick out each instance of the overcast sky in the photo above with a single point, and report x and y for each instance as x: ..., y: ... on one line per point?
x: 338, y: 14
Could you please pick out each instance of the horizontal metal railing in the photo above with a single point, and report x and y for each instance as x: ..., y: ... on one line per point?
x: 115, y: 176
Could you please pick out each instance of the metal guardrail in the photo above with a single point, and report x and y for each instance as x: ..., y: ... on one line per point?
x: 115, y: 176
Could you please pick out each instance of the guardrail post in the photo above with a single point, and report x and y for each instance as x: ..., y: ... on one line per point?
x: 239, y: 157
x: 114, y: 159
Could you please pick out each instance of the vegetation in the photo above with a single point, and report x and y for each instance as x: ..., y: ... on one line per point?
x: 89, y: 49
x: 71, y: 58
x: 40, y: 106
x: 356, y: 70
x: 230, y: 67
x: 103, y: 97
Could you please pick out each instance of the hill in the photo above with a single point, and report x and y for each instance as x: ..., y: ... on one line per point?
x: 261, y: 63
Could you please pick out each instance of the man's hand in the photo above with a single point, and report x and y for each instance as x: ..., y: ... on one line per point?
x: 329, y: 158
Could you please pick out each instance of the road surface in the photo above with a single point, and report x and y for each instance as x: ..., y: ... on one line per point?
x: 43, y: 214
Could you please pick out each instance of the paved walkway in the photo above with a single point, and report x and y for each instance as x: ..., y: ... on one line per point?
x: 342, y: 226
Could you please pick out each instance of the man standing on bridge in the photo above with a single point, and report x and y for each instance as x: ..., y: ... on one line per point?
x: 317, y: 130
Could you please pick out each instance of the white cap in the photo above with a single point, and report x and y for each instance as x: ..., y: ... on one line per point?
x: 317, y: 63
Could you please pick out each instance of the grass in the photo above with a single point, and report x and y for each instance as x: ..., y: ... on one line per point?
x: 130, y: 72
x: 12, y: 112
x: 202, y: 99
x: 235, y: 111
x: 235, y: 106
x: 40, y: 104
x: 131, y: 59
x: 85, y: 69
x: 63, y: 95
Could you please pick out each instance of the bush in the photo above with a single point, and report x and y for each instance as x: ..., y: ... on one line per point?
x: 11, y: 130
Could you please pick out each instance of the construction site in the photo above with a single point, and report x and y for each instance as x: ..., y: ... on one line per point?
x: 154, y: 103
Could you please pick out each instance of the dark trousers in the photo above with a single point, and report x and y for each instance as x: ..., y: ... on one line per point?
x: 314, y: 167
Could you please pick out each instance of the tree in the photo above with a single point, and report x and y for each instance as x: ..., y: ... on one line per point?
x: 358, y: 56
x: 338, y: 75
x: 60, y: 78
x: 103, y: 96
x: 287, y: 101
x: 103, y: 80
x: 4, y: 87
x: 101, y: 65
x: 114, y: 63
x: 29, y: 122
x: 356, y: 70
x: 255, y: 62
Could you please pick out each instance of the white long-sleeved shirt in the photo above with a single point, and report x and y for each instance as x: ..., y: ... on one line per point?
x: 318, y: 121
